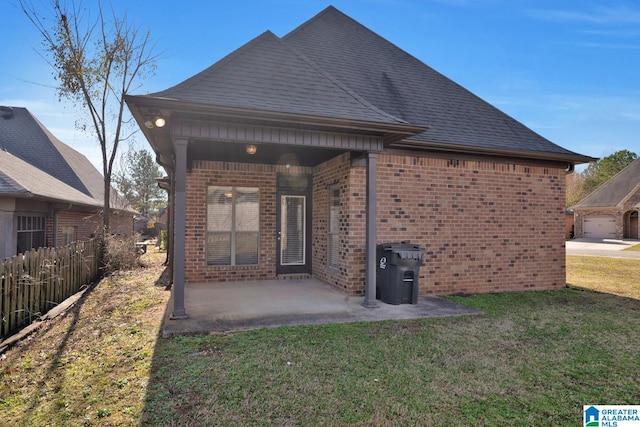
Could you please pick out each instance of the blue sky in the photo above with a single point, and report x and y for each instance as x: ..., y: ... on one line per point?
x: 569, y: 70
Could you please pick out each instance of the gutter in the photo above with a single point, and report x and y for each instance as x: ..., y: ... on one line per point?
x: 571, y: 159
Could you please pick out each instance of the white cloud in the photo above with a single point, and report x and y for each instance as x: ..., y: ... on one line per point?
x: 621, y: 14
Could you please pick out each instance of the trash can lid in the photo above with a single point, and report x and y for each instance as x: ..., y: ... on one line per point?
x: 404, y: 250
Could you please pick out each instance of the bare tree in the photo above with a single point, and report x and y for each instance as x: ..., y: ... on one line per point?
x: 96, y: 61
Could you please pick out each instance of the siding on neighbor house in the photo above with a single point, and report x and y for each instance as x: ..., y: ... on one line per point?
x: 485, y: 226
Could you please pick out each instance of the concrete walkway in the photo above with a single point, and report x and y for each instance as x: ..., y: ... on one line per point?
x: 602, y: 247
x: 219, y: 307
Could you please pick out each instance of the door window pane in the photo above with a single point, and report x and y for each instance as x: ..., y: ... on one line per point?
x: 292, y: 243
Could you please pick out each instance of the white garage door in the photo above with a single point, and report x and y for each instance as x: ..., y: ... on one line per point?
x: 600, y: 227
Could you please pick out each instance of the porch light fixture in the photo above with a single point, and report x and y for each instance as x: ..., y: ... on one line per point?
x: 251, y: 149
x: 155, y: 121
x: 159, y: 121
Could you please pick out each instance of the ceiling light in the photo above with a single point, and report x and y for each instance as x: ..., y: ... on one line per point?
x: 251, y: 149
x: 155, y: 120
x: 159, y: 121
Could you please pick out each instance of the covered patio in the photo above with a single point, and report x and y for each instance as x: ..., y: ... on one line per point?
x: 232, y: 306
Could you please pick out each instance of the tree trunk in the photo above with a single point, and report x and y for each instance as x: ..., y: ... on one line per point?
x: 106, y: 210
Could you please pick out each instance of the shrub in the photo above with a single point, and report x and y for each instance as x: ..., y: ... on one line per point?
x: 164, y: 240
x: 121, y: 254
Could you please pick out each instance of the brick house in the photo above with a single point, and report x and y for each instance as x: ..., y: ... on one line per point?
x: 294, y: 156
x: 611, y: 211
x: 50, y: 194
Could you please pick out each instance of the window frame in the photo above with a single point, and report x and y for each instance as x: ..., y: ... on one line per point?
x: 333, y: 252
x: 31, y: 225
x: 69, y: 234
x: 234, y: 233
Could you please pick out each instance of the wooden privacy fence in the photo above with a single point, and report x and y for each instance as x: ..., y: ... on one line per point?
x: 33, y: 283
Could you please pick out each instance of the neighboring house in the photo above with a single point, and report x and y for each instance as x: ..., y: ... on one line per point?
x: 569, y: 228
x: 50, y: 194
x: 294, y: 156
x: 611, y: 211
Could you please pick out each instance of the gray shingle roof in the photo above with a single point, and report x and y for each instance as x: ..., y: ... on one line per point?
x: 22, y: 135
x: 403, y: 86
x: 265, y: 74
x: 615, y: 190
x: 332, y: 66
x: 19, y: 179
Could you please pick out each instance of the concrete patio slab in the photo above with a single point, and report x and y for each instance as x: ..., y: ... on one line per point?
x: 220, y: 307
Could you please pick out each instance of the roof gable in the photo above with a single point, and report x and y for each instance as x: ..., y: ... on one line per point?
x: 265, y: 74
x: 616, y: 190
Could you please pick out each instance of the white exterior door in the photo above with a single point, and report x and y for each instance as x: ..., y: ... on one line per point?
x: 600, y: 227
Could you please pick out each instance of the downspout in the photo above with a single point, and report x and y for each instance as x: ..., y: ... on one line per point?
x: 55, y: 228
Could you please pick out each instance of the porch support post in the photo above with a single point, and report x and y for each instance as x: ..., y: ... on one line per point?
x: 179, y: 229
x: 370, y: 284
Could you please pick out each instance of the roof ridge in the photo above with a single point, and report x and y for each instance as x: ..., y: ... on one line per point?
x: 340, y: 85
x: 195, y: 79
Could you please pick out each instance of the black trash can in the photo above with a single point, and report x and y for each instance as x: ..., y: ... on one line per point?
x: 398, y: 270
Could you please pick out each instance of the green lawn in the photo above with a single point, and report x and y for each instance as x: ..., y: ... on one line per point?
x: 532, y: 359
x: 635, y: 248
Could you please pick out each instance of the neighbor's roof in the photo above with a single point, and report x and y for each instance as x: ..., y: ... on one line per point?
x: 332, y: 66
x: 615, y: 190
x: 22, y: 135
x: 21, y: 179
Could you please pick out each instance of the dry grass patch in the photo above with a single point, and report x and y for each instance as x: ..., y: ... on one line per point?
x: 635, y: 248
x: 90, y: 367
x: 618, y: 276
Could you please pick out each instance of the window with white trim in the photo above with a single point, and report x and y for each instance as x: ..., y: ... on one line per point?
x: 68, y: 235
x: 333, y: 240
x: 233, y: 219
x: 30, y: 233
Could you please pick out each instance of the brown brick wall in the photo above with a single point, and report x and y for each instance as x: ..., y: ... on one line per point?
x: 206, y: 173
x: 89, y: 224
x: 333, y: 172
x: 486, y: 227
